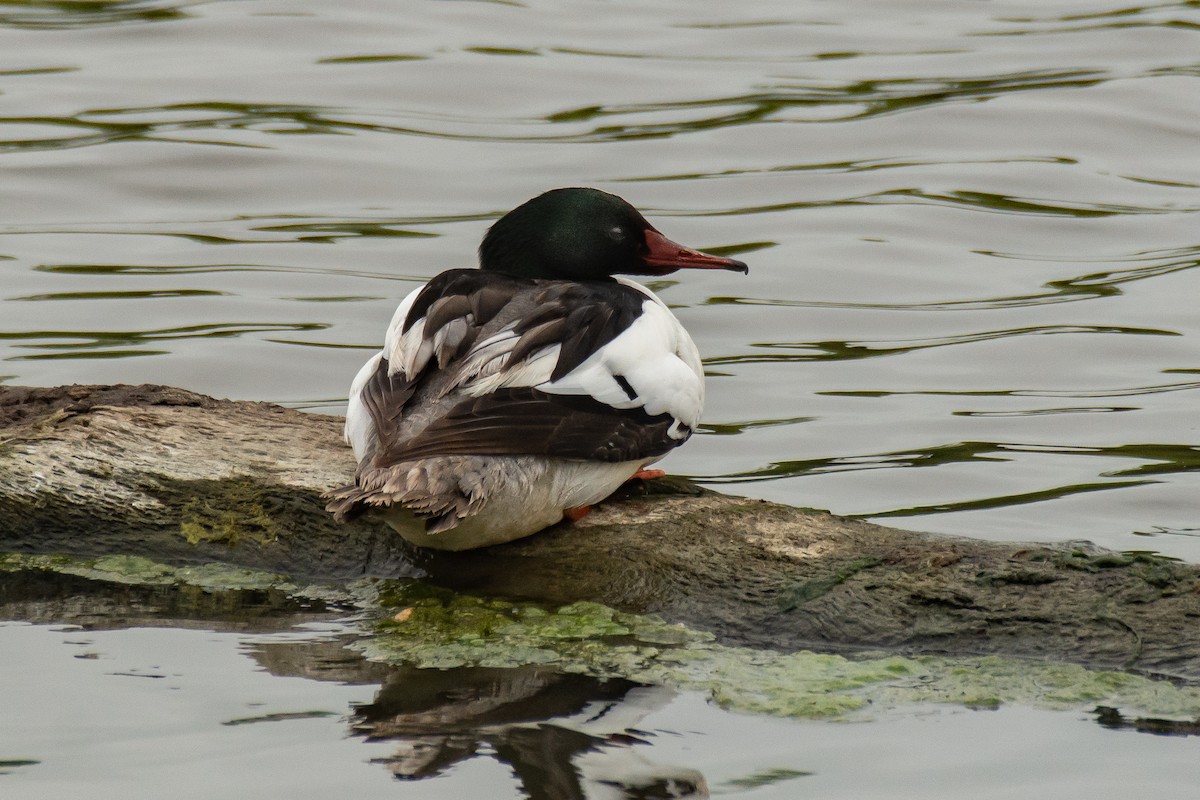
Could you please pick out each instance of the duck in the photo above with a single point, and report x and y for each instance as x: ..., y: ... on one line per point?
x: 509, y: 397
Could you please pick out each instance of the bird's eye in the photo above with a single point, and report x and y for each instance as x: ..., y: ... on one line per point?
x: 616, y: 233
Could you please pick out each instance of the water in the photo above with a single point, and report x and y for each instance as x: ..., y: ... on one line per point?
x: 206, y: 707
x: 971, y: 228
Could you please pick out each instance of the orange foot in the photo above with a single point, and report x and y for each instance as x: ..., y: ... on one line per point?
x: 648, y: 474
x: 577, y: 513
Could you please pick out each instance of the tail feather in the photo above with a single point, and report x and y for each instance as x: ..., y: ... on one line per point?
x: 442, y: 492
x: 345, y: 503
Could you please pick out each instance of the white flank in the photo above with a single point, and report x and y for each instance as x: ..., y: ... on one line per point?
x: 654, y: 355
x: 359, y: 429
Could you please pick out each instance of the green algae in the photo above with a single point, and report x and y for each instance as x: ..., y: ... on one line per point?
x: 1163, y: 575
x: 140, y: 571
x: 238, y: 514
x: 802, y: 593
x: 438, y: 629
x: 413, y: 623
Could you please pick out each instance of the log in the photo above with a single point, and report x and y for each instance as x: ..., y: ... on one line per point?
x: 180, y: 477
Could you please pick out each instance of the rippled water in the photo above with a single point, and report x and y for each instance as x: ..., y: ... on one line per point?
x: 972, y: 227
x: 288, y: 738
x: 239, y: 693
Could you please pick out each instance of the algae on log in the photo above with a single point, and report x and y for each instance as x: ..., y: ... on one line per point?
x: 431, y: 645
x: 172, y: 475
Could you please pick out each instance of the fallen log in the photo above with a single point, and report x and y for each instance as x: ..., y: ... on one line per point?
x: 176, y: 476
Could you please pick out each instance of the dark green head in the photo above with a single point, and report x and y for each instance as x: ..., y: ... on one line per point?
x: 585, y: 234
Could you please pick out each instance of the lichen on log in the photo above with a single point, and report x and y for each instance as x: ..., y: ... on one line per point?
x: 179, y: 477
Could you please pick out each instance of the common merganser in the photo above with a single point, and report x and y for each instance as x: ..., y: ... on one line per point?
x: 510, y: 396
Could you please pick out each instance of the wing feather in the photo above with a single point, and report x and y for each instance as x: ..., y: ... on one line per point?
x: 526, y: 421
x: 480, y: 363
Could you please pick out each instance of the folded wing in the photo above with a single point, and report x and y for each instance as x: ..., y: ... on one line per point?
x: 479, y: 363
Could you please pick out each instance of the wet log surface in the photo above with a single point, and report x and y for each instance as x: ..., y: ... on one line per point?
x: 176, y: 476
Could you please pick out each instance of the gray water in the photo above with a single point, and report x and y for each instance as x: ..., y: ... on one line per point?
x: 972, y: 231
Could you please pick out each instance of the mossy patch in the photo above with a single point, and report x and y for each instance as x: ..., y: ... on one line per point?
x: 1168, y: 575
x: 139, y: 571
x: 801, y: 593
x: 234, y: 510
x: 1016, y: 577
x: 433, y: 628
x: 237, y: 515
x: 437, y: 628
x: 410, y: 622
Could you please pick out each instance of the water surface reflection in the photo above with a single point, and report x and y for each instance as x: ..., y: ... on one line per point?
x: 565, y: 737
x: 261, y: 686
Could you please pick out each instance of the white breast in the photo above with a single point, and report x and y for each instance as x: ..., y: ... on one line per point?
x: 655, y: 356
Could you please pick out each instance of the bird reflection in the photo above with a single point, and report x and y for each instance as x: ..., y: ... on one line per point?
x: 565, y: 737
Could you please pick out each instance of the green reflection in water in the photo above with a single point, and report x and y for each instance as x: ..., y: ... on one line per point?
x: 92, y: 354
x: 200, y: 269
x: 865, y: 165
x: 1042, y: 412
x: 52, y: 14
x: 1170, y: 458
x: 1090, y: 285
x: 736, y: 24
x: 1004, y: 501
x: 860, y: 99
x: 1129, y: 11
x: 999, y: 202
x: 738, y: 249
x: 501, y: 51
x: 280, y: 716
x: 327, y: 345
x: 591, y: 123
x: 157, y: 269
x: 766, y: 778
x: 372, y: 59
x: 79, y: 342
x: 734, y: 428
x: 134, y: 295
x: 1163, y: 530
x: 1069, y: 393
x: 333, y: 231
x: 349, y: 298
x: 102, y: 126
x: 844, y: 351
x: 1159, y: 182
x: 981, y: 201
x: 5, y: 73
x: 1141, y: 16
x: 1165, y: 459
x: 249, y: 226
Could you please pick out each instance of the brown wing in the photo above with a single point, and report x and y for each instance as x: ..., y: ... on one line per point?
x: 577, y: 317
x: 385, y: 397
x: 525, y: 421
x: 464, y: 303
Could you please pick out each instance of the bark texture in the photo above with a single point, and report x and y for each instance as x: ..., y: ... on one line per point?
x: 173, y: 475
